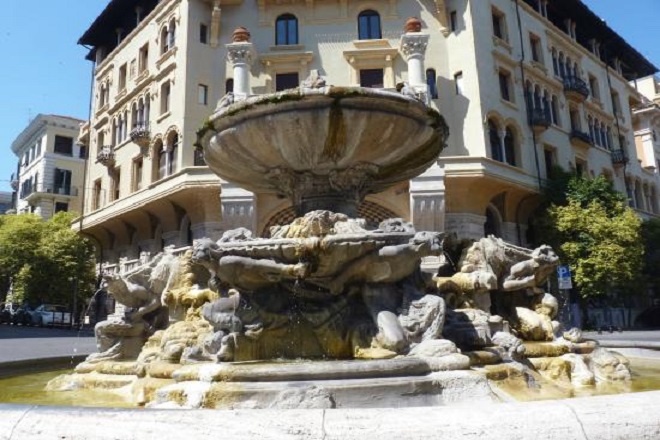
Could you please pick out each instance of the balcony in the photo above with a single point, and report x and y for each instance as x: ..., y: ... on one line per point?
x: 580, y: 138
x: 575, y: 88
x: 106, y: 156
x: 619, y: 157
x: 51, y: 191
x: 539, y: 120
x: 142, y: 137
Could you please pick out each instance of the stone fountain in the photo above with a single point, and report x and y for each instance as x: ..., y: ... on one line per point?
x: 328, y: 312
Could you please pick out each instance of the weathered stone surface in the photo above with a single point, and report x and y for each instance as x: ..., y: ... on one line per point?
x: 544, y: 349
x: 434, y: 348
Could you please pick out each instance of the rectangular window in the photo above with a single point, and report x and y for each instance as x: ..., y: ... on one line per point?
x: 96, y: 195
x: 61, y: 207
x: 165, y: 97
x: 535, y: 44
x: 286, y: 81
x: 499, y: 29
x: 202, y: 94
x: 373, y: 78
x: 616, y: 103
x: 458, y: 80
x: 203, y: 33
x: 138, y: 166
x: 62, y: 181
x: 453, y: 21
x: 116, y: 184
x: 549, y: 156
x: 64, y: 145
x: 122, y: 77
x: 505, y: 86
x: 593, y: 85
x: 143, y: 62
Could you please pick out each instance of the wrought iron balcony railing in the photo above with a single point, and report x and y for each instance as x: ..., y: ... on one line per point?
x: 576, y: 87
x: 581, y: 137
x: 106, y: 155
x: 619, y: 157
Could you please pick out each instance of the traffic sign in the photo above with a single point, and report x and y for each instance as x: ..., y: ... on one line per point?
x: 564, y: 276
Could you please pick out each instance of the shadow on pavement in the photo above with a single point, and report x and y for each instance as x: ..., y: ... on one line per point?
x: 20, y: 332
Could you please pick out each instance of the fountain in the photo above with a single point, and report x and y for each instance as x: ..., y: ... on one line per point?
x: 329, y: 312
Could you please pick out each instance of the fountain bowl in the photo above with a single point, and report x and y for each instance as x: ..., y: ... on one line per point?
x: 325, y: 148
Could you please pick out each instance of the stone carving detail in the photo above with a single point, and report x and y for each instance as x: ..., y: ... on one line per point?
x: 414, y: 45
x: 314, y: 81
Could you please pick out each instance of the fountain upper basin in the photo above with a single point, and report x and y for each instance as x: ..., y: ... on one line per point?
x: 324, y: 148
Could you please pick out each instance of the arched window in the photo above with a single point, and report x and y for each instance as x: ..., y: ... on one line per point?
x: 431, y: 82
x: 495, y: 144
x: 493, y: 224
x: 171, y: 35
x: 172, y: 153
x: 510, y: 147
x: 286, y: 30
x: 369, y: 25
x: 590, y: 122
x: 134, y: 116
x: 562, y: 65
x: 555, y: 110
x: 163, y: 40
x: 555, y: 62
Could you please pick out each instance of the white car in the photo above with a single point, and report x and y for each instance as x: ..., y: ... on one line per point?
x: 50, y: 314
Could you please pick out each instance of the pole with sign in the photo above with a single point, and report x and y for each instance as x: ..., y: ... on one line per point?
x: 565, y: 284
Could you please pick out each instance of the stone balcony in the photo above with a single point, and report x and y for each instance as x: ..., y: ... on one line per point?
x: 106, y: 156
x: 141, y: 136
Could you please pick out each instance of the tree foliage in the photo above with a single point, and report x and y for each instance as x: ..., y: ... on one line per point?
x: 651, y: 239
x: 45, y: 259
x: 593, y: 230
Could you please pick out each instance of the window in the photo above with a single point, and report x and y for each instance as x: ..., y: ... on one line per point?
x: 122, y: 78
x: 286, y: 81
x: 499, y: 26
x: 39, y: 148
x: 616, y: 103
x: 203, y: 33
x: 453, y: 21
x: 555, y: 62
x: 163, y: 41
x: 96, y: 194
x: 535, y: 44
x: 138, y: 165
x: 431, y: 82
x: 593, y: 85
x: 61, y: 207
x: 116, y: 184
x: 171, y: 35
x: 172, y: 154
x: 63, y: 145
x: 229, y: 85
x: 165, y: 97
x: 373, y: 78
x: 62, y: 181
x: 202, y: 94
x: 505, y: 86
x: 555, y: 110
x: 549, y: 156
x: 495, y: 142
x: 82, y: 153
x: 580, y: 167
x: 286, y: 30
x: 198, y: 158
x: 460, y: 86
x: 143, y: 62
x: 509, y: 147
x: 369, y: 25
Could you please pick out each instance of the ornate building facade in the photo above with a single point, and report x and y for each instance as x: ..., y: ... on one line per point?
x: 523, y: 86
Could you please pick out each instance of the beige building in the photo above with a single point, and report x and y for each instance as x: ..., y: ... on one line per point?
x: 523, y: 86
x: 51, y: 165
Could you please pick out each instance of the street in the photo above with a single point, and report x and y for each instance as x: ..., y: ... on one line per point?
x: 21, y: 343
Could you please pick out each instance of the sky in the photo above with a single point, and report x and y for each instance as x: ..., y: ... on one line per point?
x: 43, y: 70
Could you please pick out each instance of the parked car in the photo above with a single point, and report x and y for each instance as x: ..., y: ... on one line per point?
x: 7, y: 312
x: 51, y: 314
x: 22, y: 315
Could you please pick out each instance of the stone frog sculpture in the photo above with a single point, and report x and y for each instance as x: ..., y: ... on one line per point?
x: 327, y: 272
x: 140, y: 291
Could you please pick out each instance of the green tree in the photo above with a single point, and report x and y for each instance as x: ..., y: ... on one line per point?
x: 603, y: 248
x: 47, y: 260
x: 651, y: 239
x: 593, y: 230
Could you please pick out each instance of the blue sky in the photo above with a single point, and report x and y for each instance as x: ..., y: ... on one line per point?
x: 44, y: 70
